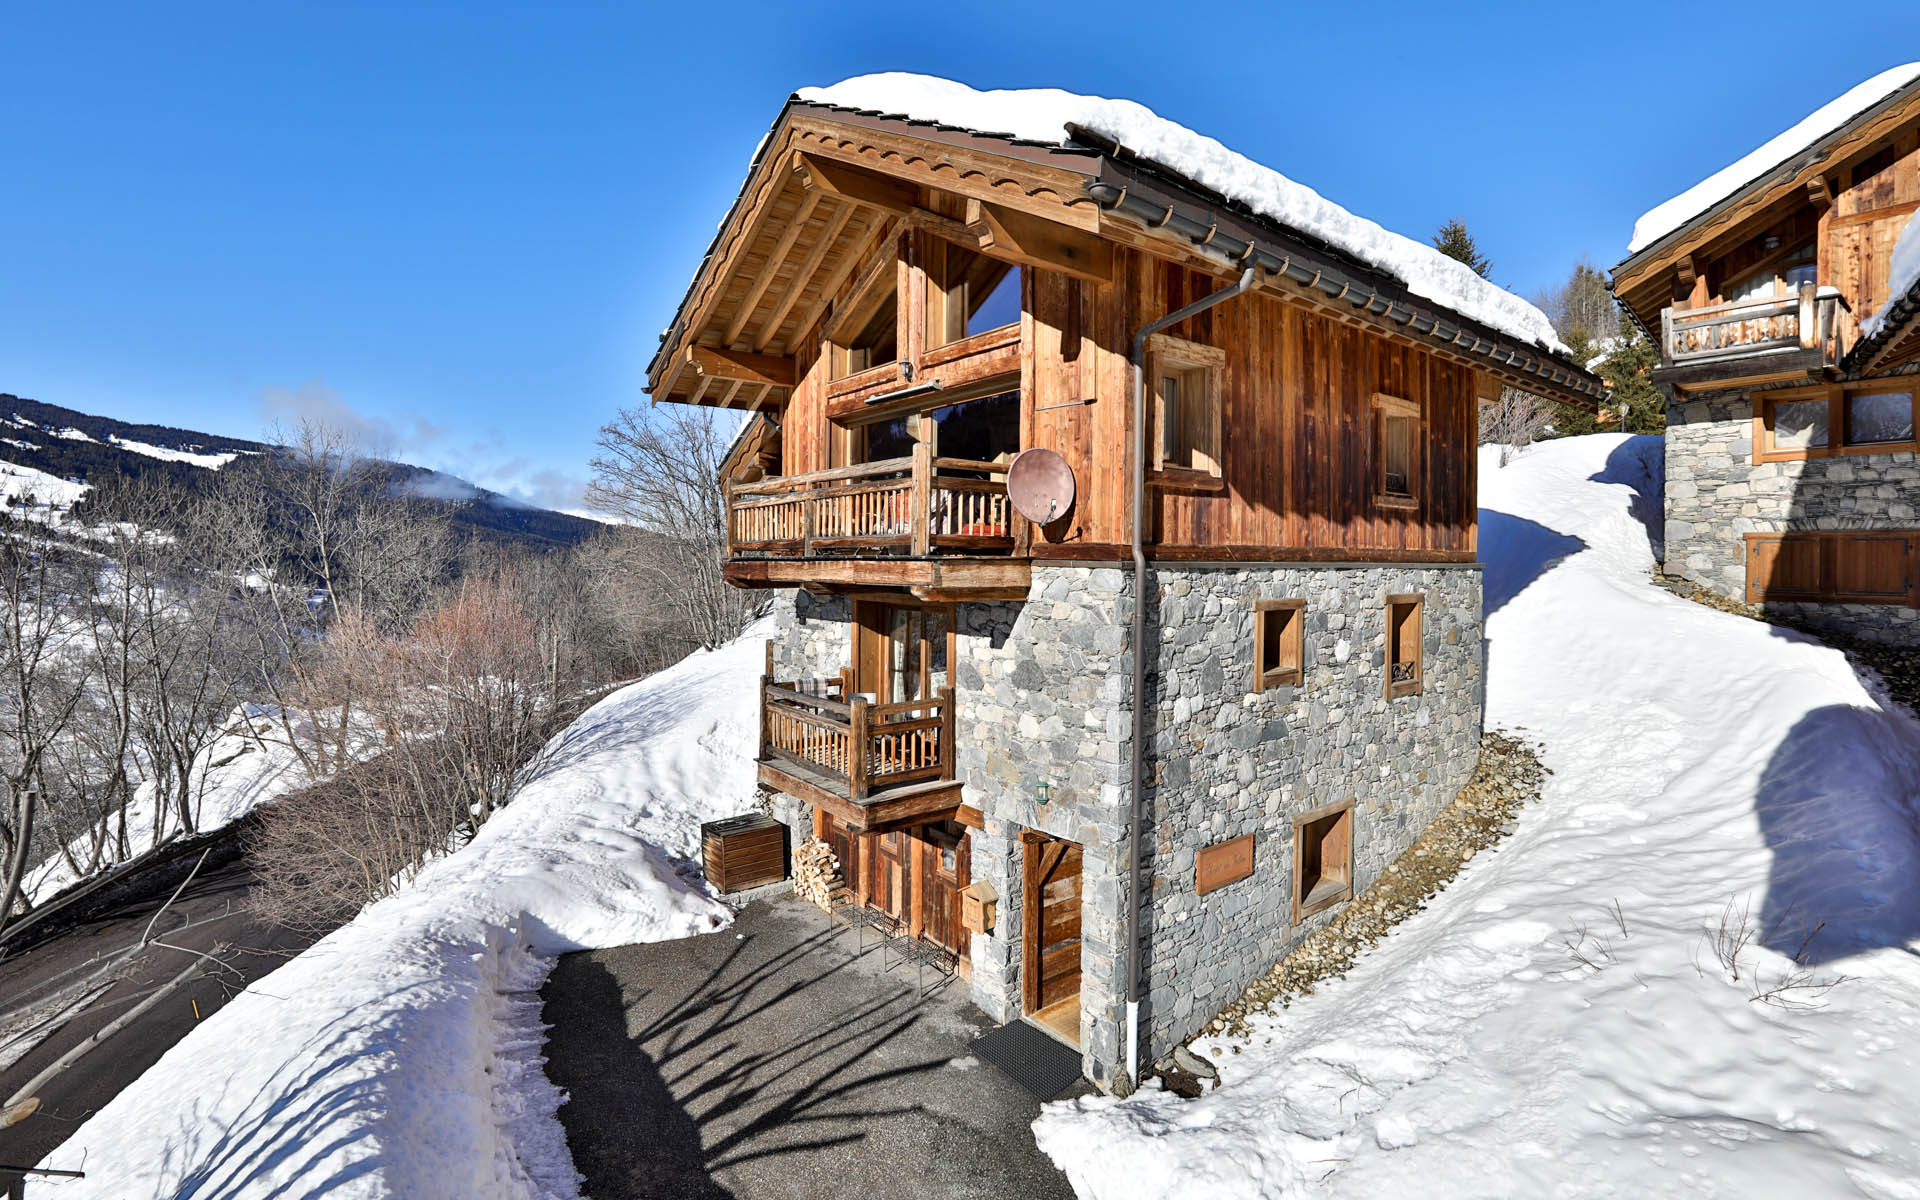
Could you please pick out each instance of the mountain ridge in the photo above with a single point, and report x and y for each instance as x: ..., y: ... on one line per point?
x: 70, y: 444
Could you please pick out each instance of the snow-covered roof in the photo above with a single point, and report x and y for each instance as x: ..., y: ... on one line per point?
x: 1042, y: 115
x: 1663, y: 219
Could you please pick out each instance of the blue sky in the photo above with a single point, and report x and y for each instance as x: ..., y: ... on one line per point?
x: 462, y: 227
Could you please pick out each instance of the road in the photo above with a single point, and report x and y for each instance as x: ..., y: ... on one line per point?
x: 212, y: 910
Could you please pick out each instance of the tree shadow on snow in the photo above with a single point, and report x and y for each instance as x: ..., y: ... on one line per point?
x: 1839, y: 806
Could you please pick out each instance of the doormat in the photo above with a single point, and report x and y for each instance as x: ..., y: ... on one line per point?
x: 1035, y: 1061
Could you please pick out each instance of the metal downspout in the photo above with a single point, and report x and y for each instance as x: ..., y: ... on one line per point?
x: 1138, y: 540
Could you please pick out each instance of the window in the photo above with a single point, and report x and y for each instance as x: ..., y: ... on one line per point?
x: 1876, y: 417
x: 1403, y: 657
x: 868, y: 336
x: 1322, y: 859
x: 968, y: 293
x: 1279, y: 643
x: 1185, y: 403
x: 1780, y: 279
x: 1397, y: 445
x: 1865, y: 566
x: 1829, y: 421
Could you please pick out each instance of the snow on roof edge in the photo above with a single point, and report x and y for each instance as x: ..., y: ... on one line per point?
x: 1670, y: 215
x: 1041, y: 116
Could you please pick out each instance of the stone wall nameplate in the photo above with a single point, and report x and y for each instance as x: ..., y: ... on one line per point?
x: 1218, y: 865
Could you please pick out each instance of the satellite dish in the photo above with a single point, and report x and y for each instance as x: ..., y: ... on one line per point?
x: 1040, y: 484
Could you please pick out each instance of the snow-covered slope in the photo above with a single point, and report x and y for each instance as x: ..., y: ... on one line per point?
x: 1659, y: 221
x: 400, y: 1056
x: 1043, y: 114
x: 1699, y: 759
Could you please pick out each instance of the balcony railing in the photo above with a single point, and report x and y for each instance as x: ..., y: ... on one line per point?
x: 1816, y: 319
x: 862, y: 747
x: 912, y: 505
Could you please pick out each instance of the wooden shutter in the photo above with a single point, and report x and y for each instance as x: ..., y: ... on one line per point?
x: 1783, y: 566
x: 1872, y: 568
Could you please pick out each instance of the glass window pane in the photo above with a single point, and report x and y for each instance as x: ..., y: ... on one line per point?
x: 1802, y: 273
x: 1882, y: 417
x: 1800, y: 424
x: 995, y: 303
x: 986, y: 430
x: 889, y: 439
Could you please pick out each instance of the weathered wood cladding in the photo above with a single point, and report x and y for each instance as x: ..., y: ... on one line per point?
x: 1298, y: 474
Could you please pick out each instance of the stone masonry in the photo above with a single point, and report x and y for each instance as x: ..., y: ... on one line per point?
x: 1044, y: 694
x: 1716, y: 494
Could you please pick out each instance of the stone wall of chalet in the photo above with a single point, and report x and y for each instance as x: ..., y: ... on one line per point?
x: 1716, y: 494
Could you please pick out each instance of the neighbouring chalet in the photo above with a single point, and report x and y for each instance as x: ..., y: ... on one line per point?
x: 1790, y: 356
x: 918, y: 282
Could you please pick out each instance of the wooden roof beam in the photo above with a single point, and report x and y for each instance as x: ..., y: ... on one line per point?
x: 774, y: 259
x: 854, y: 185
x: 1036, y: 242
x: 717, y: 363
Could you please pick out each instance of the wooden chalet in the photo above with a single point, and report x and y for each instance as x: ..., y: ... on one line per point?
x: 1788, y: 353
x: 906, y: 301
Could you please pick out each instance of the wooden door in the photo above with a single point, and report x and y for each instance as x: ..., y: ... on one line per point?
x: 903, y: 651
x: 1050, y: 912
x: 944, y: 873
x: 889, y: 887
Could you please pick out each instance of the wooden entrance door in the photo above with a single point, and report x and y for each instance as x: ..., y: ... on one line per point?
x: 902, y: 650
x: 890, y: 886
x: 944, y: 874
x: 1050, y: 933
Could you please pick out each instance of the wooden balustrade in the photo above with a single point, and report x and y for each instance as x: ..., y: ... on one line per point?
x: 865, y: 746
x: 1811, y: 319
x: 911, y: 505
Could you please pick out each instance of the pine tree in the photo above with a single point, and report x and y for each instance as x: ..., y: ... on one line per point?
x: 1455, y: 242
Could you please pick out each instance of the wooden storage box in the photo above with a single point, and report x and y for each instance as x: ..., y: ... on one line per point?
x: 744, y: 852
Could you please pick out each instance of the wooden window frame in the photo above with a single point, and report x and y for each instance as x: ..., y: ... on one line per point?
x: 1169, y: 354
x: 1389, y: 408
x: 881, y: 281
x: 1337, y: 820
x: 1406, y: 687
x: 1836, y: 398
x: 938, y: 303
x: 1828, y: 547
x: 1293, y: 643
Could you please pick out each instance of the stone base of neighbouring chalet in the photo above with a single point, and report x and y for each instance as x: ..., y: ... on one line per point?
x: 1043, y: 688
x: 1716, y: 494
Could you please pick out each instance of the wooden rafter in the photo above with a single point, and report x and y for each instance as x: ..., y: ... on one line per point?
x: 808, y: 266
x: 771, y: 268
x: 1035, y: 242
x: 718, y: 363
x: 854, y: 184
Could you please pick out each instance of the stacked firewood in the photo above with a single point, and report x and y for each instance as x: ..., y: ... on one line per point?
x: 816, y: 872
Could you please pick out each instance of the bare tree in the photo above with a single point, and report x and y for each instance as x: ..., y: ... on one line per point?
x: 1515, y: 421
x: 42, y: 681
x: 659, y: 470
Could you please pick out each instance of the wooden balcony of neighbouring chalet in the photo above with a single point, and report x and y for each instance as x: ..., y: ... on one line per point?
x: 1752, y: 341
x: 928, y: 524
x: 874, y: 766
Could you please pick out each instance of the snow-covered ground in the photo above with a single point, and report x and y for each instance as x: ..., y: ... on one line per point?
x: 400, y: 1056
x: 1698, y: 759
x: 212, y: 462
x: 247, y: 765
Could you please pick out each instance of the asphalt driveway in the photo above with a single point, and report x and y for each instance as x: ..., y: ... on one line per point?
x: 774, y: 1059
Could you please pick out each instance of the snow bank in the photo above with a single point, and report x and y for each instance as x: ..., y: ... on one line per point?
x: 1903, y: 271
x: 400, y: 1056
x: 18, y: 483
x: 1698, y: 758
x: 1042, y: 115
x: 1659, y: 221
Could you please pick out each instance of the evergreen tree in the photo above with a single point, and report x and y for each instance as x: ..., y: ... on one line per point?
x: 1455, y: 242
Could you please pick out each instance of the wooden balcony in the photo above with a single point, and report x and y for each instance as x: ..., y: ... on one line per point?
x: 1749, y: 341
x: 943, y: 526
x: 874, y: 766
